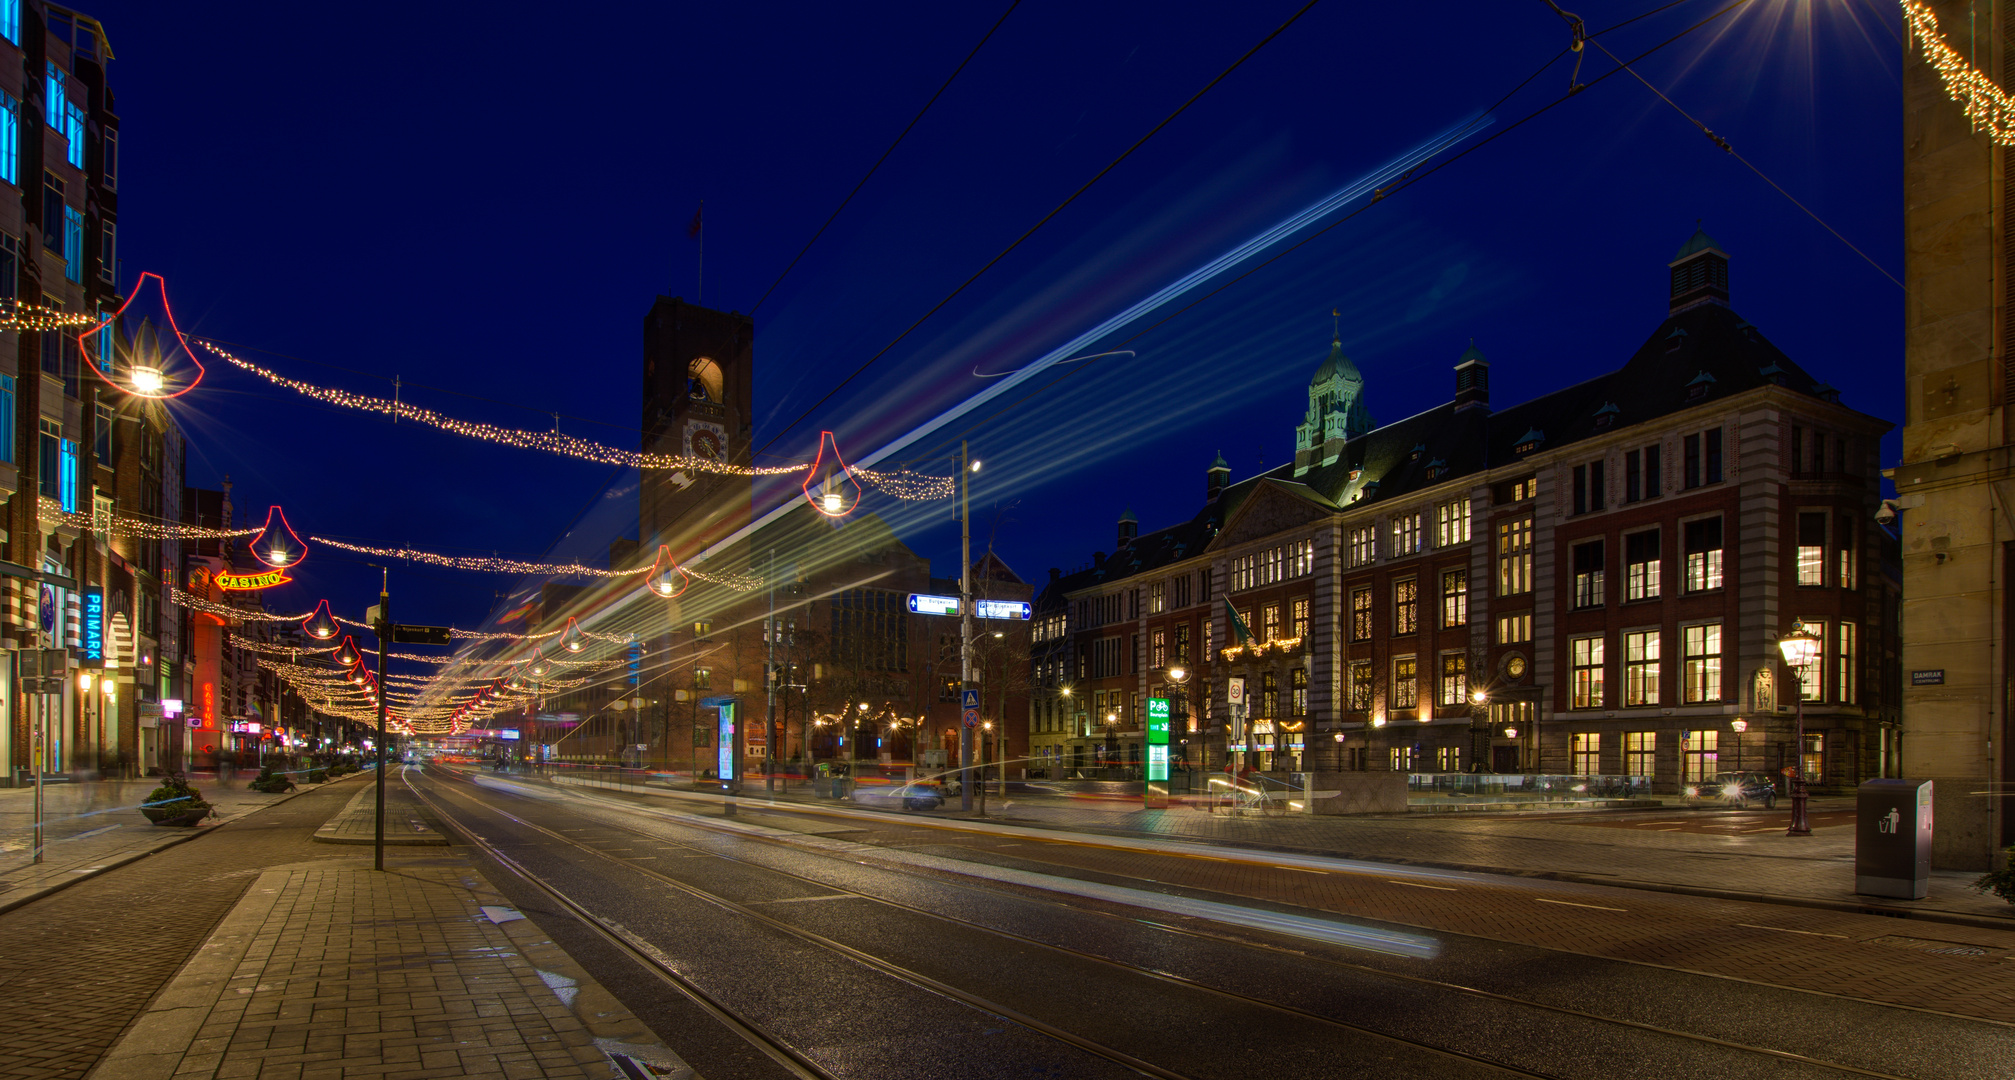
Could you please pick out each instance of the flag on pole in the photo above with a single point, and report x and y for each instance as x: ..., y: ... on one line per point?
x: 698, y: 216
x: 1240, y: 632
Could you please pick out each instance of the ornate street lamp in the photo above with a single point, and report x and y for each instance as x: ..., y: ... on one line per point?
x: 1800, y: 648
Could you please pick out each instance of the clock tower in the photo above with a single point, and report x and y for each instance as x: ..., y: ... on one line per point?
x: 698, y: 383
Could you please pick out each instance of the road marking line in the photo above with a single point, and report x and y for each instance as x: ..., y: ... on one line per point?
x: 1788, y: 930
x: 1650, y: 823
x: 1303, y: 869
x: 1418, y: 885
x: 1571, y: 903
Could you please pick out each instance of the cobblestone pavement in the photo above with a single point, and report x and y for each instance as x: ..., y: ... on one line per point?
x: 330, y: 971
x: 95, y: 824
x: 79, y: 964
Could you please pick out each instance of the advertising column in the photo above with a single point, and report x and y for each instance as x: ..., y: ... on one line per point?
x: 1157, y: 754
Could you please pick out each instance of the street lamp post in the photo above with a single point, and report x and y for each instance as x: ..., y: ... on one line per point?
x: 1800, y: 648
x: 1179, y: 675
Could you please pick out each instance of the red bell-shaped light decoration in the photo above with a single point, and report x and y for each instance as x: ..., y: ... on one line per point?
x: 539, y: 667
x: 276, y: 545
x: 346, y: 653
x: 130, y: 352
x: 572, y: 640
x: 830, y: 485
x: 321, y: 624
x: 667, y: 578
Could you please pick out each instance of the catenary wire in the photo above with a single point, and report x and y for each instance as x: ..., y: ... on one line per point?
x: 885, y: 155
x: 1045, y: 219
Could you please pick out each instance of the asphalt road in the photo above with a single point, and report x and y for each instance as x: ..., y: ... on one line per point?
x: 889, y: 950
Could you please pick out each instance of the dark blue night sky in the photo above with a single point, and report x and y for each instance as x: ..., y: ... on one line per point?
x: 482, y: 199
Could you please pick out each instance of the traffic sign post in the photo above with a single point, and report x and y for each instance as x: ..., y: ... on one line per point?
x: 1156, y: 792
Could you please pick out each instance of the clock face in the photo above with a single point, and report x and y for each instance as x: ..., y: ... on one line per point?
x: 1514, y: 666
x: 706, y: 441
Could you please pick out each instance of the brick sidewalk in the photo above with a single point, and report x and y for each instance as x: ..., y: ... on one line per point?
x: 330, y: 971
x: 93, y: 826
x: 407, y: 823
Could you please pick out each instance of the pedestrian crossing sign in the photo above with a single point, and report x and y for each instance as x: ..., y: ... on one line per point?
x: 971, y: 700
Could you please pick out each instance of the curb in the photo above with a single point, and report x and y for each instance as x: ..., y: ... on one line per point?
x: 1931, y: 915
x: 30, y: 896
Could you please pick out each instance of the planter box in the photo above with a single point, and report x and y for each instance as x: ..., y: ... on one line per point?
x: 175, y: 814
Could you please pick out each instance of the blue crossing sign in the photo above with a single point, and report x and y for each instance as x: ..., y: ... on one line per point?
x: 971, y: 699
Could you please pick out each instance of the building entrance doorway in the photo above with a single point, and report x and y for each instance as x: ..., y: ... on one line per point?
x: 1504, y: 759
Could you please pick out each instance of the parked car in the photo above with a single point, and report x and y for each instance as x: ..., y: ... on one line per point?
x: 1736, y: 789
x: 916, y: 795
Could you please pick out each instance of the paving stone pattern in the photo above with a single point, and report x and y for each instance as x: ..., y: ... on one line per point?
x: 79, y: 964
x: 333, y: 971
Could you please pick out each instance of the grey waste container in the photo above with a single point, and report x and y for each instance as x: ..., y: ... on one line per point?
x: 1892, y: 839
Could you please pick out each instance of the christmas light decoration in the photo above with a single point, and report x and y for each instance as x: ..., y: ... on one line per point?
x: 1987, y: 107
x: 550, y: 441
x: 276, y: 545
x: 196, y: 603
x: 912, y: 486
x: 21, y: 315
x: 496, y: 565
x: 668, y: 578
x: 322, y: 624
x: 831, y: 478
x: 901, y: 484
x: 538, y: 665
x: 346, y: 654
x: 571, y: 639
x: 150, y: 375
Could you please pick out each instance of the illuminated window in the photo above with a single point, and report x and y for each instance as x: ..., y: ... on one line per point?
x: 73, y: 128
x: 1406, y: 535
x: 1360, y: 614
x: 1812, y: 677
x: 1448, y: 758
x: 1641, y: 564
x: 10, y: 20
x: 1405, y: 606
x: 1812, y: 549
x: 1451, y: 523
x: 1843, y: 541
x: 54, y: 97
x: 1514, y: 629
x: 1585, y: 751
x: 1514, y: 557
x: 1843, y: 663
x: 1703, y: 554
x: 10, y: 126
x: 1269, y: 622
x: 1454, y: 599
x: 1297, y: 684
x: 1157, y: 598
x: 1360, y: 685
x: 73, y: 244
x: 1269, y: 694
x: 6, y: 418
x: 68, y: 481
x: 1640, y: 753
x: 1703, y: 662
x: 1699, y: 755
x: 1157, y: 648
x: 1405, y: 684
x: 1587, y: 672
x: 1298, y: 619
x: 1589, y: 572
x: 1454, y: 678
x: 1363, y: 544
x: 1640, y: 667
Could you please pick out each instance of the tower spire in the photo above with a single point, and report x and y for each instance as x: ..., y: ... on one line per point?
x: 1336, y: 322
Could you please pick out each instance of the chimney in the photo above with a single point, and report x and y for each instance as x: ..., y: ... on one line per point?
x: 1472, y: 379
x: 1129, y: 527
x: 1055, y: 573
x: 1218, y: 476
x: 1699, y: 274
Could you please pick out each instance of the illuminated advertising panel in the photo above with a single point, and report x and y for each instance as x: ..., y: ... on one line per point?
x: 1157, y: 738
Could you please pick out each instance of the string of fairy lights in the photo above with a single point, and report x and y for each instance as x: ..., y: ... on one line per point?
x: 900, y: 483
x: 22, y: 315
x: 1987, y: 106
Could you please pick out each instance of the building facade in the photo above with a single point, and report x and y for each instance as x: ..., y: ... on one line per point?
x: 1592, y: 582
x: 1957, y: 473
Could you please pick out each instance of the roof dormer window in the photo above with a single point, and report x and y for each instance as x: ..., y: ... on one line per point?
x: 1529, y: 441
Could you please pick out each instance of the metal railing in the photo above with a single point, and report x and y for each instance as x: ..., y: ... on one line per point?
x: 1526, y: 786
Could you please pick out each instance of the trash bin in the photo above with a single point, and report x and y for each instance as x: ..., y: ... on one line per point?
x: 1892, y: 839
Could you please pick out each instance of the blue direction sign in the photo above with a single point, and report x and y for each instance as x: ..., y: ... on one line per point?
x: 970, y: 699
x: 926, y: 604
x: 1001, y: 609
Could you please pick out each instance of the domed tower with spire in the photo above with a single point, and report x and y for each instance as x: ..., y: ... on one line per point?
x: 1336, y: 410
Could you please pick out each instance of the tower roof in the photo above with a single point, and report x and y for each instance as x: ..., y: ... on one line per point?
x: 1336, y: 364
x: 1698, y: 243
x: 1471, y: 353
x: 1220, y: 463
x: 1127, y: 515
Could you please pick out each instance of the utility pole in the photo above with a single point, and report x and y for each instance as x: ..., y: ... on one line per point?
x: 965, y: 627
x: 381, y: 625
x: 770, y: 679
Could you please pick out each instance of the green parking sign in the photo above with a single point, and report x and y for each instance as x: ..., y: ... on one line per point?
x: 1157, y: 739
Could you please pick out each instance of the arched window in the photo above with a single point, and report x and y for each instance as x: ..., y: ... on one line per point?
x: 703, y: 380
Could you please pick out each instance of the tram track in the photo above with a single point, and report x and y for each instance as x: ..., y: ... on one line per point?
x: 1778, y: 1057
x: 927, y: 982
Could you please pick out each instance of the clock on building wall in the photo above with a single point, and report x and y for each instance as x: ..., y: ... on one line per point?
x: 704, y: 440
x: 1514, y: 666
